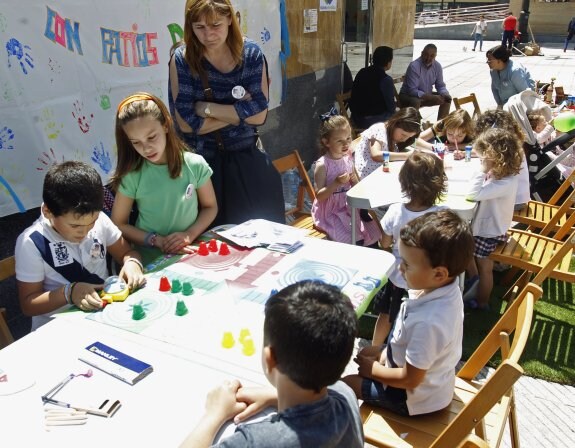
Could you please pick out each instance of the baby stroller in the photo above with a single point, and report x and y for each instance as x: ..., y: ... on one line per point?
x: 545, y: 168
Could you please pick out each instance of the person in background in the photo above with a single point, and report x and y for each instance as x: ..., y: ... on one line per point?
x: 170, y: 185
x: 508, y: 26
x: 494, y: 188
x: 309, y: 334
x: 415, y: 373
x: 421, y: 76
x: 508, y: 77
x: 61, y: 258
x: 478, y: 32
x: 423, y: 182
x: 570, y: 33
x: 333, y: 177
x: 218, y: 95
x: 393, y: 136
x: 373, y: 93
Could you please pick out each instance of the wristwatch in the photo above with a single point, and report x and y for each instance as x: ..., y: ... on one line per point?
x: 207, y: 111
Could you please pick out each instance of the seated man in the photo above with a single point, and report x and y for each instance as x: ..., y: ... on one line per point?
x: 373, y: 95
x: 417, y: 89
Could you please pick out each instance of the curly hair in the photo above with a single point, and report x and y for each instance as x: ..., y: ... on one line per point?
x: 333, y: 123
x: 499, y: 119
x: 502, y: 149
x: 458, y: 119
x: 423, y: 179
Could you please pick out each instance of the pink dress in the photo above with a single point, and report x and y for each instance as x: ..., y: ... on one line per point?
x: 333, y: 215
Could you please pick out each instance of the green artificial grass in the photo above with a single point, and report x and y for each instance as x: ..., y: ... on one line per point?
x: 550, y: 350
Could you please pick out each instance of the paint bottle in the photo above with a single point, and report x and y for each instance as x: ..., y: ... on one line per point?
x: 386, y: 161
x: 468, y: 153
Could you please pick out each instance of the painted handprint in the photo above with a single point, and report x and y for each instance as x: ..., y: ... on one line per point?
x: 51, y: 128
x: 55, y: 69
x: 83, y: 121
x: 101, y: 157
x: 6, y: 135
x: 104, y: 90
x: 47, y: 160
x: 15, y: 48
x: 265, y: 35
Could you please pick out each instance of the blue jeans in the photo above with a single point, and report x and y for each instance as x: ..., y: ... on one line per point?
x: 478, y: 37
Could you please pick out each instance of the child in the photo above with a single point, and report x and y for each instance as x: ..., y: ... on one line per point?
x: 416, y: 373
x: 61, y: 258
x: 309, y: 332
x: 167, y: 182
x: 423, y: 182
x: 544, y: 132
x: 334, y: 176
x: 455, y: 130
x: 504, y: 120
x: 495, y: 188
x: 397, y: 133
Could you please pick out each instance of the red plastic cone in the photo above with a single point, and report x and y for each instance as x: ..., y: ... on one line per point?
x: 165, y: 284
x: 213, y: 246
x: 224, y: 249
x: 203, y: 249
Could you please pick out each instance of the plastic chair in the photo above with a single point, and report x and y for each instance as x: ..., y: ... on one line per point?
x: 301, y: 218
x: 458, y: 102
x: 482, y: 409
x: 7, y: 270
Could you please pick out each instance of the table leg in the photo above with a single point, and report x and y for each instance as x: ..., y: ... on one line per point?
x: 353, y: 224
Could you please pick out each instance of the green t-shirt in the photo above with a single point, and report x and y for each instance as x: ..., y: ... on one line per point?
x: 166, y: 205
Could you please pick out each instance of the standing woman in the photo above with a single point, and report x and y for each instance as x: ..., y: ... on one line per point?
x: 508, y: 77
x: 218, y: 95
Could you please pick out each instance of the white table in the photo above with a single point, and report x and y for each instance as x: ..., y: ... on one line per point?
x: 162, y: 408
x: 382, y: 188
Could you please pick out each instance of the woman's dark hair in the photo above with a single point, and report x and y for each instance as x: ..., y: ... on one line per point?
x: 500, y: 52
x: 407, y: 119
x: 382, y: 56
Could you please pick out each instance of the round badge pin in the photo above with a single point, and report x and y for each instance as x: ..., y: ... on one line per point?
x: 189, y: 191
x: 238, y: 92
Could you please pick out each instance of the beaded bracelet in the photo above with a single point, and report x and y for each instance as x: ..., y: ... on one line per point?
x: 135, y: 260
x: 150, y: 239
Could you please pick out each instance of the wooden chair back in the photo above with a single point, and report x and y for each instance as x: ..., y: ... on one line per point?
x: 472, y: 401
x: 298, y: 216
x: 344, y: 110
x: 7, y: 270
x: 458, y: 102
x: 398, y: 80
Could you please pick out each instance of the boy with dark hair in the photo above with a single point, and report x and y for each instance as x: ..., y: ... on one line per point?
x: 309, y: 332
x: 61, y: 258
x: 416, y: 374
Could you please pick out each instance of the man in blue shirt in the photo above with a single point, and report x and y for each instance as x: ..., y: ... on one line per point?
x: 422, y: 75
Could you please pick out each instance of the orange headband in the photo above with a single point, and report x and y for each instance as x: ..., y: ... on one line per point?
x: 135, y: 97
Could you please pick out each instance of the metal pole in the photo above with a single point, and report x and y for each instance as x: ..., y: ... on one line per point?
x: 523, y: 21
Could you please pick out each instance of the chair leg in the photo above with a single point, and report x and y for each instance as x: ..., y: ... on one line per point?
x: 509, y: 275
x: 6, y: 337
x: 519, y: 284
x: 513, y: 429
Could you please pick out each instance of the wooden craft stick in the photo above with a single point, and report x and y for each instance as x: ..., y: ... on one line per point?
x: 66, y: 422
x: 66, y: 417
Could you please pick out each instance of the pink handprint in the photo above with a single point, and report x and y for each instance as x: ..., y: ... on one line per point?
x: 47, y: 159
x: 83, y: 121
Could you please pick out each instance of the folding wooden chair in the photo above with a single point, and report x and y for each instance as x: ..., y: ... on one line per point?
x: 458, y: 102
x: 480, y: 408
x: 7, y: 270
x: 297, y: 215
x: 549, y: 216
x: 343, y: 104
x: 397, y: 80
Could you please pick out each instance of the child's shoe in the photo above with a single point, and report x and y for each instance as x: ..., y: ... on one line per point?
x: 470, y: 288
x: 473, y: 305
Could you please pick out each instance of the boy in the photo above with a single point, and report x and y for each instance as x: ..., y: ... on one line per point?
x: 61, y: 258
x: 309, y: 332
x: 416, y: 374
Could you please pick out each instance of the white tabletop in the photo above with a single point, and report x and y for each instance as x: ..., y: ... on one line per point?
x: 162, y: 408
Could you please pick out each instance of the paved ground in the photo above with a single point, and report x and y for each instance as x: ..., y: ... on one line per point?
x: 546, y: 411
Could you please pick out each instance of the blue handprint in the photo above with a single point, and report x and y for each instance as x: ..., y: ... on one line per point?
x: 101, y: 157
x: 6, y: 135
x: 15, y: 48
x: 265, y: 35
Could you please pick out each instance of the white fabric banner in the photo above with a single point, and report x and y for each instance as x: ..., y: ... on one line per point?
x: 65, y: 66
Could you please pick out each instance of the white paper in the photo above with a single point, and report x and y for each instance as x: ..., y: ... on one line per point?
x: 310, y: 20
x: 328, y: 5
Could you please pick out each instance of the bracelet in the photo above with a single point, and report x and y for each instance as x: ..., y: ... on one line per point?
x: 67, y: 288
x: 150, y: 239
x: 153, y: 239
x: 72, y: 285
x: 135, y: 260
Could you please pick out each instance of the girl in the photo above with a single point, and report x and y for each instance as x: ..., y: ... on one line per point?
x: 166, y: 182
x: 397, y: 133
x: 334, y: 176
x: 455, y: 130
x: 423, y: 182
x: 494, y: 187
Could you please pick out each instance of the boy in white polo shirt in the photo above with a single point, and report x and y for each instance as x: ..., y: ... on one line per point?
x: 416, y: 373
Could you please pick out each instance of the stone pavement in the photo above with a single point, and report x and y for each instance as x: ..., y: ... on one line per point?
x: 545, y: 411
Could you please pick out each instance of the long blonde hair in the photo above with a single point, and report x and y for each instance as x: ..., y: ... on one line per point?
x: 139, y: 105
x: 209, y: 10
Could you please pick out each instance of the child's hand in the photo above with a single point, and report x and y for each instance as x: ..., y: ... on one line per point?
x: 86, y: 297
x: 366, y: 365
x: 372, y: 351
x: 342, y: 178
x: 221, y: 402
x: 256, y: 399
x: 353, y: 178
x: 133, y: 275
x: 458, y: 155
x: 175, y: 243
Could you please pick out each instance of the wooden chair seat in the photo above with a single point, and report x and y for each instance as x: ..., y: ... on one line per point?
x: 306, y: 222
x: 479, y: 411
